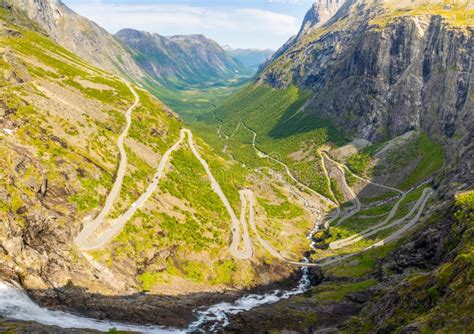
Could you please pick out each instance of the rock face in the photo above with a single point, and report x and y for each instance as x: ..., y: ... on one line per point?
x: 191, y: 58
x: 319, y: 14
x: 379, y: 72
x: 379, y: 69
x: 80, y: 35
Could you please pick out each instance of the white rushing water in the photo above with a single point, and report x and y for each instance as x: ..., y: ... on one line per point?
x: 15, y: 304
x: 217, y: 316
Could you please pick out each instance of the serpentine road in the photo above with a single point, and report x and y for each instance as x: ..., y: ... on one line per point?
x: 427, y: 192
x: 420, y: 205
x: 247, y: 252
x: 348, y: 241
x: 90, y: 228
x: 262, y: 154
x: 90, y: 238
x: 241, y: 246
x: 84, y: 239
x: 354, y: 199
x: 338, y: 208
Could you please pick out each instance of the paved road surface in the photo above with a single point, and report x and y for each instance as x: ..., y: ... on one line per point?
x: 380, y: 227
x: 425, y: 196
x: 89, y: 229
x: 83, y: 240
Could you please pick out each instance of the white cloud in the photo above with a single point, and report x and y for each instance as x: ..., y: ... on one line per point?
x: 239, y: 27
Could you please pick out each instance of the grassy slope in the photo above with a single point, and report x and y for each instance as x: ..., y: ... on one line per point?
x: 193, y: 100
x: 427, y: 154
x: 439, y: 300
x: 86, y: 167
x: 281, y: 130
x: 51, y: 136
x: 190, y: 242
x: 455, y: 12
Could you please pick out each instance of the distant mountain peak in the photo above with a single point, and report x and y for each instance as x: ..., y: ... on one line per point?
x: 319, y: 13
x: 79, y: 35
x: 190, y: 58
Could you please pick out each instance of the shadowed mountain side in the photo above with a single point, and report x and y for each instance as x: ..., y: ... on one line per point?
x: 344, y: 301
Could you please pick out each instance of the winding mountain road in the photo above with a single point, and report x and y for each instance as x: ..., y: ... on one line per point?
x: 262, y: 154
x: 338, y: 208
x: 90, y: 238
x: 382, y: 226
x: 247, y: 252
x: 86, y: 240
x: 354, y: 199
x: 394, y: 236
x: 246, y: 195
x: 241, y: 248
x: 82, y: 238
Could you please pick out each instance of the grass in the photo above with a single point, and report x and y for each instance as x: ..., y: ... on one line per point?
x: 455, y: 12
x: 151, y: 124
x: 201, y: 231
x: 284, y: 210
x: 282, y: 129
x: 355, y: 225
x: 336, y: 292
x: 362, y: 264
x: 465, y: 199
x: 191, y: 101
x: 358, y: 163
x: 351, y: 180
x: 377, y: 210
x: 189, y: 182
x: 431, y: 160
x: 421, y: 154
x: 337, y: 191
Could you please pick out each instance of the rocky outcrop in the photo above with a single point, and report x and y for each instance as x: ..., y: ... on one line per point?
x: 379, y: 75
x: 318, y: 15
x: 191, y: 58
x: 17, y: 72
x: 79, y: 35
x: 437, y: 298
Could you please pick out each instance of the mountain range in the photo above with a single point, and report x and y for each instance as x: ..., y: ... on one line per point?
x: 251, y: 58
x: 190, y: 59
x: 153, y: 181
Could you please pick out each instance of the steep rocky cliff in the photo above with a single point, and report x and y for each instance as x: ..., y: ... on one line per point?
x: 319, y: 14
x: 377, y: 70
x: 321, y: 11
x: 80, y: 35
x: 382, y: 68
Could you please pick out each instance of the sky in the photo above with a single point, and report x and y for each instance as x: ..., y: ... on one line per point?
x: 256, y: 24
